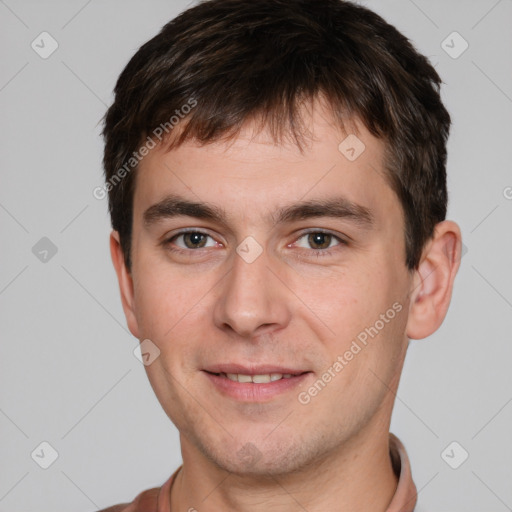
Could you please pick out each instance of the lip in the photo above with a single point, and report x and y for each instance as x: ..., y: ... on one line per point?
x: 259, y: 369
x: 253, y: 392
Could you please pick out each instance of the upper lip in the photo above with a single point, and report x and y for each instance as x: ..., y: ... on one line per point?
x: 260, y: 369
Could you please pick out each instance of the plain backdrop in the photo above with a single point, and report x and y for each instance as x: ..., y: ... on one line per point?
x: 68, y: 373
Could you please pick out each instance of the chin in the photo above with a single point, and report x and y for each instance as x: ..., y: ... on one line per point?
x: 272, y: 456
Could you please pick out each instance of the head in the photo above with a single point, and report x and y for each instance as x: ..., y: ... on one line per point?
x: 302, y: 147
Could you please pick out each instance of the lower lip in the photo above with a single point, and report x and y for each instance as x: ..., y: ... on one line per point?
x: 252, y: 392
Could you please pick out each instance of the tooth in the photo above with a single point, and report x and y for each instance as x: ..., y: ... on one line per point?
x: 257, y: 379
x: 261, y: 379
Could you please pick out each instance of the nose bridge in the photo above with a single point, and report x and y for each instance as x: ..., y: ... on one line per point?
x: 252, y: 299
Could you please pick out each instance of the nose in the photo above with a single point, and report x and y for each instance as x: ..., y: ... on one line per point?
x: 252, y: 299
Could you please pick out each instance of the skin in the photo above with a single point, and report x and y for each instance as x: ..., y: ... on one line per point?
x: 290, y: 307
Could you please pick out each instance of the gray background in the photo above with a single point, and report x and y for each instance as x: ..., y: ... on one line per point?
x: 68, y: 374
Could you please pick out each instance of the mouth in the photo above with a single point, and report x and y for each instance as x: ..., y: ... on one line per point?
x: 257, y: 384
x: 261, y: 378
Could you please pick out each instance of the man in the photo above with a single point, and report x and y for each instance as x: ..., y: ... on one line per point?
x: 277, y: 188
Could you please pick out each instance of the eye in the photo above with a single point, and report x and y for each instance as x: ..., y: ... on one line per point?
x: 192, y: 240
x: 319, y: 240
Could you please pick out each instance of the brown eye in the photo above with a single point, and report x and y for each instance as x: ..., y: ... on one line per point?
x: 194, y: 240
x: 320, y: 243
x: 190, y: 240
x: 319, y: 240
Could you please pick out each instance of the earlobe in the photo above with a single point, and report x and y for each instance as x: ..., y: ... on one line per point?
x: 432, y: 286
x: 125, y: 283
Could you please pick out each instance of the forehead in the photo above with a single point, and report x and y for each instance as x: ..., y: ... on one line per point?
x: 252, y: 174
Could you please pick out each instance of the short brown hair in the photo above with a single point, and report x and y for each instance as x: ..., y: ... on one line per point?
x: 241, y: 60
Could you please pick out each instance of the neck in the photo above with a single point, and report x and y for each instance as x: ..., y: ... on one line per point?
x: 357, y: 477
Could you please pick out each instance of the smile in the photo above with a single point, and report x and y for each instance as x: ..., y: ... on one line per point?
x: 257, y: 379
x: 257, y: 387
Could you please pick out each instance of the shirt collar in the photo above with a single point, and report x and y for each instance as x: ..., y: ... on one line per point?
x: 405, y: 496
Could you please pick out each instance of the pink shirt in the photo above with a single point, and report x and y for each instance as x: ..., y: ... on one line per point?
x: 404, y: 500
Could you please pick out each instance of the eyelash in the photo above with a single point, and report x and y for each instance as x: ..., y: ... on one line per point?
x: 318, y: 252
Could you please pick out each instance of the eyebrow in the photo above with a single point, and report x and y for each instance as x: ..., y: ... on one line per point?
x: 335, y: 207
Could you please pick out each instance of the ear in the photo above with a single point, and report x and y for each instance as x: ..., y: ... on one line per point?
x: 432, y: 286
x: 125, y: 283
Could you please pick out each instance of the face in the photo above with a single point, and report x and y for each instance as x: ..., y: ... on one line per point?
x: 251, y: 258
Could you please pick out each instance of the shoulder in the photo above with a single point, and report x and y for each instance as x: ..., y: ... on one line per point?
x: 146, y: 501
x: 151, y: 500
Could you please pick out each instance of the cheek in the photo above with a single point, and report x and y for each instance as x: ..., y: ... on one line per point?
x: 153, y: 304
x: 161, y: 301
x: 343, y: 300
x: 364, y: 305
x: 173, y: 312
x: 366, y: 361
